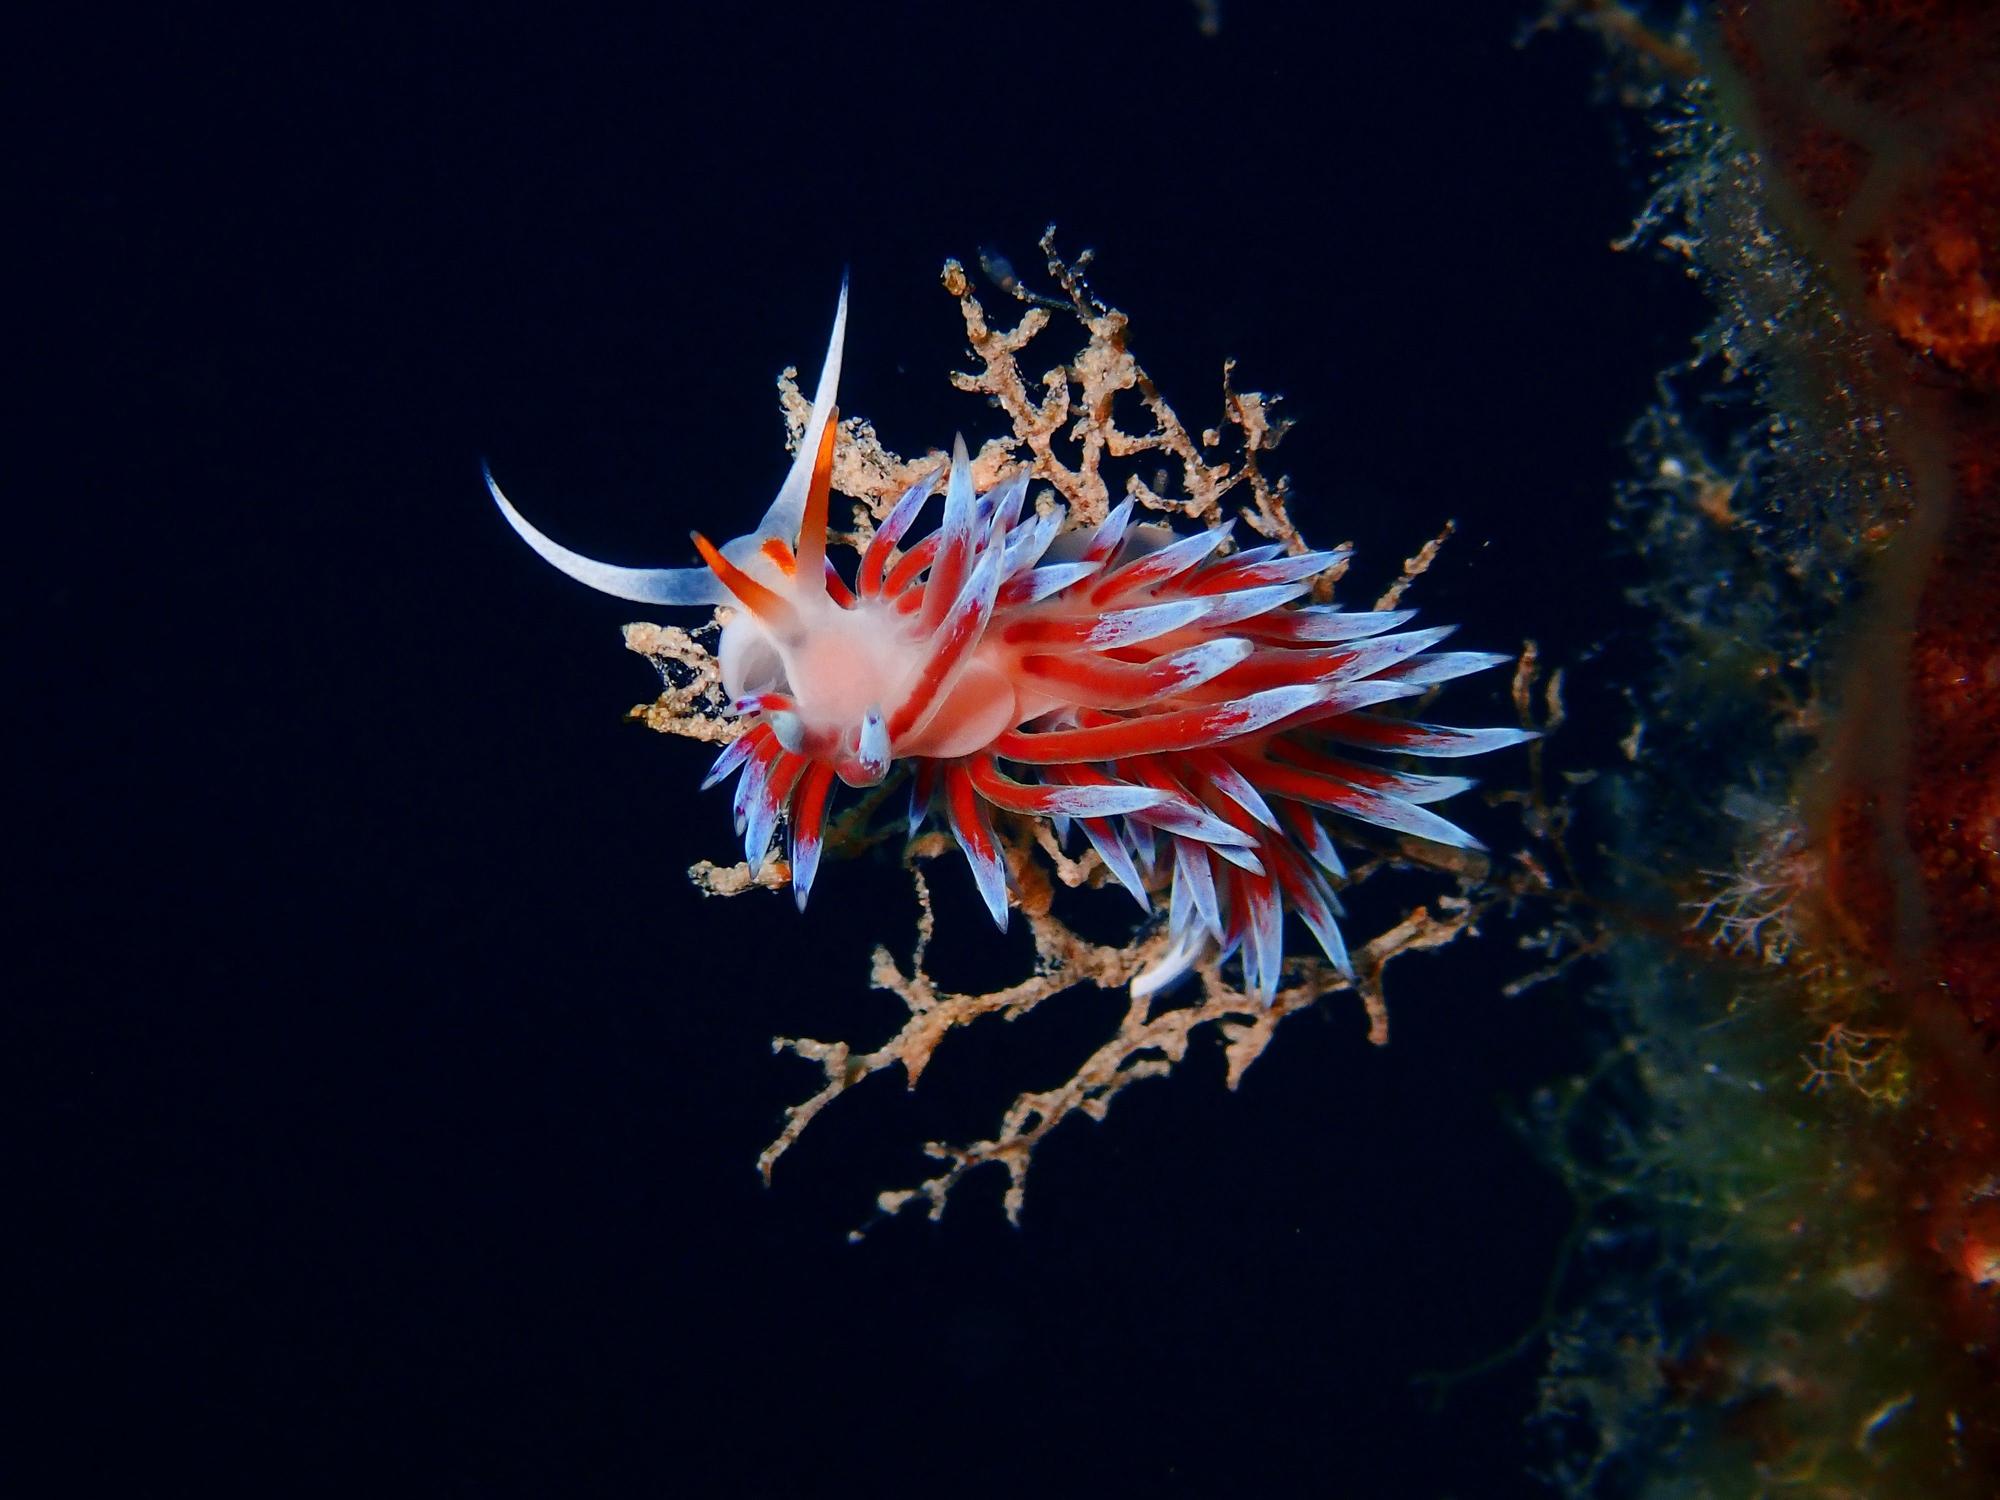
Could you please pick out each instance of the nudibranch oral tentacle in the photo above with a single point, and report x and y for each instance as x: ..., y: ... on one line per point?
x: 1189, y: 709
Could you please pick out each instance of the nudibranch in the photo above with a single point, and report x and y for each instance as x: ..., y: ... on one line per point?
x: 1186, y: 706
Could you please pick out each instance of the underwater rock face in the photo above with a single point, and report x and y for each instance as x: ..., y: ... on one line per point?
x: 1804, y: 1185
x: 1882, y: 124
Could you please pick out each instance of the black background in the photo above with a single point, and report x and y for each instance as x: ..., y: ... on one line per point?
x: 389, y: 1097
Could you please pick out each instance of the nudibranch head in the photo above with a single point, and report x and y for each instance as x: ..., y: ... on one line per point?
x: 1188, y: 708
x: 866, y: 675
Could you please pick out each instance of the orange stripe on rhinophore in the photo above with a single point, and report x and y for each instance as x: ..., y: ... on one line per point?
x: 775, y: 549
x: 812, y: 524
x: 766, y: 605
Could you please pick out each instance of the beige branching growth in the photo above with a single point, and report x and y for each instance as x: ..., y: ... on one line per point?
x: 1075, y: 424
x: 1149, y: 1042
x: 1080, y: 406
x: 1868, y: 1060
x: 692, y: 703
x: 1415, y: 568
x: 1753, y: 910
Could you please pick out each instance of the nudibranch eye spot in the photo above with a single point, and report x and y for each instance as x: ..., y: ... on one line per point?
x: 1192, y: 712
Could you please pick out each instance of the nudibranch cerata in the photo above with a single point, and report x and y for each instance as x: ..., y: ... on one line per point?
x: 1186, y: 706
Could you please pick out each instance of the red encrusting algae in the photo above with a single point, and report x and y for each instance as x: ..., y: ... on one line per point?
x: 1880, y: 128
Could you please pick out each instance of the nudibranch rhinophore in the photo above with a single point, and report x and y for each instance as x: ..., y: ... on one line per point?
x: 1178, y: 702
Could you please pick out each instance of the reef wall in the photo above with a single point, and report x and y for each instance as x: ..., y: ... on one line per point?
x: 1789, y: 1170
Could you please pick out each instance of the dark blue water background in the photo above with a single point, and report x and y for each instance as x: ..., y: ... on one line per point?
x: 392, y: 1098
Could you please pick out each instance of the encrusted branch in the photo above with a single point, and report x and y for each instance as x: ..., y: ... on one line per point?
x: 1067, y: 425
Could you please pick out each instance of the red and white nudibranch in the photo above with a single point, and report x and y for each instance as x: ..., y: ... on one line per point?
x: 1178, y: 703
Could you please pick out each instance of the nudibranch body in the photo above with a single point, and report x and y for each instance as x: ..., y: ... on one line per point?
x: 1184, y: 706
